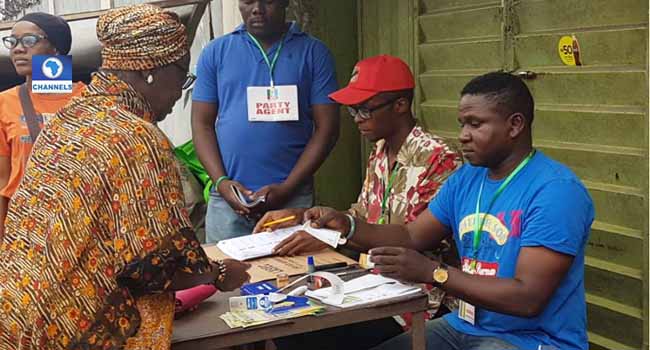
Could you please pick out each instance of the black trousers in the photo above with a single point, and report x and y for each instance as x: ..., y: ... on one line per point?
x: 356, y: 336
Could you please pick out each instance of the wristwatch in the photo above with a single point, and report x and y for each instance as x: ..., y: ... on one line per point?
x: 440, y: 274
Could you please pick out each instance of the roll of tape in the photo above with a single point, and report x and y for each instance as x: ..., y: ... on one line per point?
x: 336, y: 295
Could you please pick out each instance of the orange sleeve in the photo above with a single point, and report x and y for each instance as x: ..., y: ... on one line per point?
x: 5, y: 148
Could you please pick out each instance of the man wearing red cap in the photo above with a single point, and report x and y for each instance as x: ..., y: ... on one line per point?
x: 405, y: 169
x: 407, y: 165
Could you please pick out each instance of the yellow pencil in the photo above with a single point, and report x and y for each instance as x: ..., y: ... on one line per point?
x: 279, y: 221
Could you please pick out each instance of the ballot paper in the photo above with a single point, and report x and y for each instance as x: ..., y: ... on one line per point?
x: 256, y: 245
x: 262, y: 244
x: 366, y: 289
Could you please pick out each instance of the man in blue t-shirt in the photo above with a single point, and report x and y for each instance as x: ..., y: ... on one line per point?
x: 520, y: 221
x: 262, y: 121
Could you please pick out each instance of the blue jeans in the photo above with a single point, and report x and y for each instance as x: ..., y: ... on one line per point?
x: 221, y: 222
x: 441, y: 336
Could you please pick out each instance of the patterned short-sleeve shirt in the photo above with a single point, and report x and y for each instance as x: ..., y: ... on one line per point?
x: 97, y: 227
x: 423, y: 163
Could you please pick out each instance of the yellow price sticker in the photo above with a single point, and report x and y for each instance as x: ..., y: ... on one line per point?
x: 569, y: 50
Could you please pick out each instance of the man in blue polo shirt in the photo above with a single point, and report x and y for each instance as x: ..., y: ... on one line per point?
x: 262, y: 121
x: 520, y: 221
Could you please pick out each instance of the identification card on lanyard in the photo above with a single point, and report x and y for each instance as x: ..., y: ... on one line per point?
x: 467, y: 311
x: 272, y: 103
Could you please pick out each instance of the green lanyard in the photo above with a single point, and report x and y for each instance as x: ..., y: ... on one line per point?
x: 271, y: 63
x: 478, y: 226
x: 389, y: 187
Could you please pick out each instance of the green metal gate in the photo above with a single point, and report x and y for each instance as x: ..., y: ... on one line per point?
x: 334, y: 22
x: 592, y: 117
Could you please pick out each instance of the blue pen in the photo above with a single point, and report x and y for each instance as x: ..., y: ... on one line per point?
x: 311, y: 268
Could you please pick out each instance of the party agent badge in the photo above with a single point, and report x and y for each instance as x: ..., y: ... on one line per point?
x: 272, y: 103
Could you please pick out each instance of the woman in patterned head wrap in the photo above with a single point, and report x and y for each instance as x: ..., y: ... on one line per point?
x: 34, y: 34
x: 97, y: 236
x: 147, y: 48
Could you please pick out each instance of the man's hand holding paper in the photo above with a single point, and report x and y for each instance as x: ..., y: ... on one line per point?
x: 226, y: 191
x: 276, y: 195
x: 300, y: 241
x: 248, y: 200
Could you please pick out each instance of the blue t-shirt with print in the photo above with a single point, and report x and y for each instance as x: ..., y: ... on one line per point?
x: 545, y: 205
x: 261, y: 153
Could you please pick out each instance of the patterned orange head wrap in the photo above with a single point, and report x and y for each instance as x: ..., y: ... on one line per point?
x: 140, y: 37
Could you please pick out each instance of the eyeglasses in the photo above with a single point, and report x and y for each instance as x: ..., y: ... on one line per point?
x: 365, y: 113
x: 28, y: 40
x: 189, y: 77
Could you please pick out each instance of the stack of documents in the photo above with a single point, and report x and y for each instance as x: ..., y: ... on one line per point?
x: 366, y: 289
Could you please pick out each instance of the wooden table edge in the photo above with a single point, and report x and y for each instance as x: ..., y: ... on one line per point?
x: 416, y: 305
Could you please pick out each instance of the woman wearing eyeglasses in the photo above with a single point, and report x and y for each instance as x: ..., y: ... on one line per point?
x: 97, y: 235
x: 34, y: 34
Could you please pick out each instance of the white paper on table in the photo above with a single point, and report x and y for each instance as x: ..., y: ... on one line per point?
x: 383, y: 292
x: 365, y: 290
x: 354, y: 285
x: 257, y: 245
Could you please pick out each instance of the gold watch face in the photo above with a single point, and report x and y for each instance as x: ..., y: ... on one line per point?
x: 440, y: 275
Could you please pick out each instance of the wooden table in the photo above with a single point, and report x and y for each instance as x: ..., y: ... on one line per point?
x: 203, y: 329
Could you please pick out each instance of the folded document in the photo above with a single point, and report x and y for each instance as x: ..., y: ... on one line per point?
x: 245, y: 200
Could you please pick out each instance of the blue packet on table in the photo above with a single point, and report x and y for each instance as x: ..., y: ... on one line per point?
x: 290, y: 303
x: 257, y: 288
x: 250, y: 303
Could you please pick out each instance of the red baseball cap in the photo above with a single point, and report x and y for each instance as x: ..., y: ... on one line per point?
x: 374, y: 75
